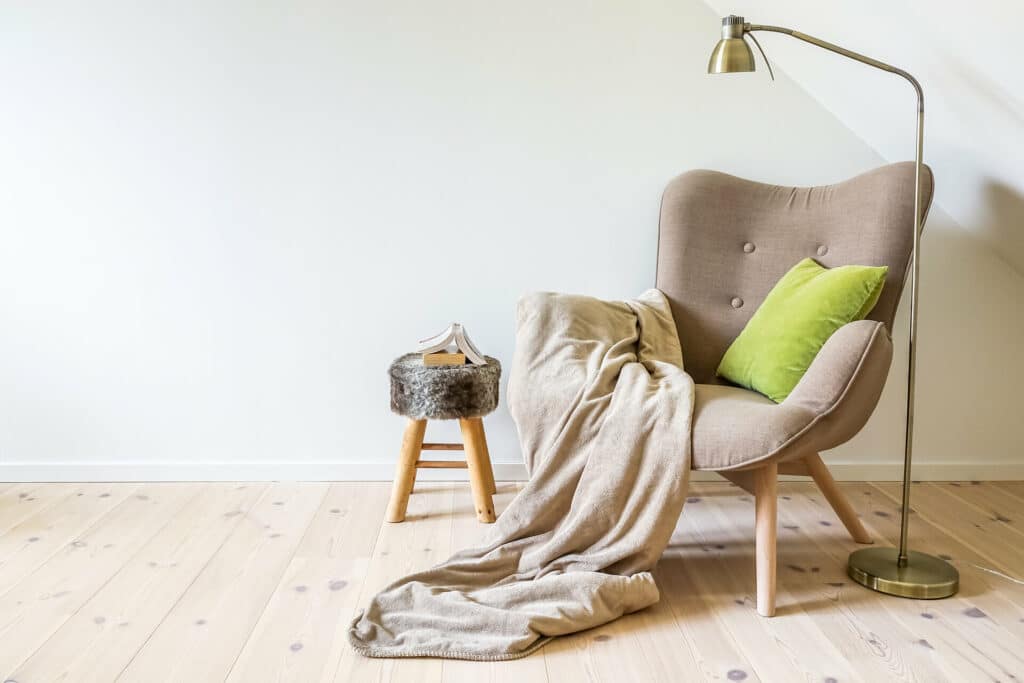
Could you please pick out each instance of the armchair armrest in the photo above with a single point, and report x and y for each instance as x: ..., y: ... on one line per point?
x: 734, y: 428
x: 847, y: 375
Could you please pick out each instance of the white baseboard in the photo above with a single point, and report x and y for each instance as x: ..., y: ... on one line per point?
x: 376, y: 471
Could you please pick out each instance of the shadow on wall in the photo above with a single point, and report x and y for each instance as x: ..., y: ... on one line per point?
x: 986, y: 89
x: 991, y: 109
x: 1003, y: 222
x: 969, y: 366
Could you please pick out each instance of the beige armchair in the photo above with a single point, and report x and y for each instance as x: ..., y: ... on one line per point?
x: 723, y: 243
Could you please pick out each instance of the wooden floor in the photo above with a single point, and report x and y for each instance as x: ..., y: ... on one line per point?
x: 258, y: 582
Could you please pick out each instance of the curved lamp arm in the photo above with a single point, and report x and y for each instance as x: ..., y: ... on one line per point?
x: 832, y: 47
x: 918, y: 218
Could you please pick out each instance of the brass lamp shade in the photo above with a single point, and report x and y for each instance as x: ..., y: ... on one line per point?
x: 731, y: 55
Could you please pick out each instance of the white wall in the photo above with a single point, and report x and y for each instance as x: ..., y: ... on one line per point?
x: 221, y: 220
x: 971, y: 322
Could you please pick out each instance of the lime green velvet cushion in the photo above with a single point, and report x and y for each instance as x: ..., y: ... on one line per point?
x: 797, y: 317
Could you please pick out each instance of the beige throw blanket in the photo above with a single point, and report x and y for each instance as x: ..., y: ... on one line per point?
x: 603, y: 408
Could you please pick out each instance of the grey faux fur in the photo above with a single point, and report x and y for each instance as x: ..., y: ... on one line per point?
x: 443, y: 392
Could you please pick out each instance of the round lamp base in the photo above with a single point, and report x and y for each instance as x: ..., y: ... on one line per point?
x: 924, y: 578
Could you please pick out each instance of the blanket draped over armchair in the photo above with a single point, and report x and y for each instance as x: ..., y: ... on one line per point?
x: 604, y: 410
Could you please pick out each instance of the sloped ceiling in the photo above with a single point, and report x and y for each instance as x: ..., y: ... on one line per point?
x: 968, y: 62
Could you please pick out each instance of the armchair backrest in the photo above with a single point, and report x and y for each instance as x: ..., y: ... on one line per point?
x: 723, y: 243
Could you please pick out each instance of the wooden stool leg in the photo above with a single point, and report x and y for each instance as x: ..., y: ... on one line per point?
x: 766, y: 516
x: 479, y: 427
x: 405, y: 474
x: 476, y: 460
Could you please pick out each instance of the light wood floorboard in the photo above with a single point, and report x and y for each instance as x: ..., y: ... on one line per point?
x: 725, y: 570
x: 1015, y: 488
x: 259, y: 582
x: 882, y: 648
x: 36, y: 538
x: 21, y: 501
x: 968, y: 633
x: 422, y: 540
x: 98, y: 642
x: 298, y: 637
x: 35, y: 607
x: 206, y: 629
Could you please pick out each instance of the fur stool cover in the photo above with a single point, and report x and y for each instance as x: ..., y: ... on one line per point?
x: 444, y: 392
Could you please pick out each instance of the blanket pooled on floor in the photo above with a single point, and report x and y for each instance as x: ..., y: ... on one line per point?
x: 603, y: 408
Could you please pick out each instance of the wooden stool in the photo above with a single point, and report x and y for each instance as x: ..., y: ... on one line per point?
x: 465, y: 393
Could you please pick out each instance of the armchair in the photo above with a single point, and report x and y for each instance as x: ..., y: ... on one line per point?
x: 723, y: 242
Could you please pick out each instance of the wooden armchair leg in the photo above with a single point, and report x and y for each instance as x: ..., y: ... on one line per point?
x: 766, y: 518
x: 836, y: 498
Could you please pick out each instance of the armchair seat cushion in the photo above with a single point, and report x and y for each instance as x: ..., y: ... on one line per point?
x: 734, y: 427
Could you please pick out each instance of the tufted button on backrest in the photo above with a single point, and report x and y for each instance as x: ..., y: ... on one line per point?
x: 867, y: 220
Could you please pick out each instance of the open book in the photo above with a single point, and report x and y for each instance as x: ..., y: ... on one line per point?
x: 455, y: 334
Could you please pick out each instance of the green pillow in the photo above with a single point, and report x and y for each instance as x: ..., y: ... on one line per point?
x: 797, y: 317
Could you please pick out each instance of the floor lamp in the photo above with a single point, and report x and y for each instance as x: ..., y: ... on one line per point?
x: 896, y: 571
